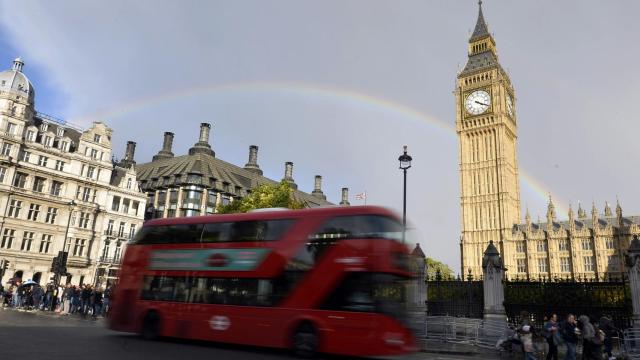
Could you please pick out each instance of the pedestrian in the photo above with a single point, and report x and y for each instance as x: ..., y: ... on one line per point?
x: 590, y: 344
x: 105, y: 301
x: 75, y: 300
x: 550, y: 333
x: 85, y: 296
x: 526, y: 336
x: 570, y: 336
x: 96, y: 299
x: 38, y: 294
x: 67, y: 296
x: 606, y: 325
x: 20, y: 297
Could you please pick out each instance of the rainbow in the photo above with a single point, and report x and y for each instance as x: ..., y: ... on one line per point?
x: 318, y: 92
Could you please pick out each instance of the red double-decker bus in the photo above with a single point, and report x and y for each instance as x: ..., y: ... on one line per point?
x: 316, y: 280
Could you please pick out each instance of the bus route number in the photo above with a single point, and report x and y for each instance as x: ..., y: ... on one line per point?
x: 220, y: 323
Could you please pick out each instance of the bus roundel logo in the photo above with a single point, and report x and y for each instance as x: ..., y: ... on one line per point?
x: 217, y: 260
x: 220, y: 323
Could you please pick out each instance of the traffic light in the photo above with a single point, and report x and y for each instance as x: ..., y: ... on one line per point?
x: 4, y: 265
x: 54, y: 265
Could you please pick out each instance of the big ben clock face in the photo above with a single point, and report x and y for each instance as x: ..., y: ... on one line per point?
x: 477, y: 102
x: 509, y: 105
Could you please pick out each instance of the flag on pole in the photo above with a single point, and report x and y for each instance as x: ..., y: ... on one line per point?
x: 361, y: 196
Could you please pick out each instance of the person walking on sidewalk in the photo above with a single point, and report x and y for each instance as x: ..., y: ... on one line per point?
x: 85, y: 296
x: 570, y: 334
x: 96, y: 302
x: 551, y: 335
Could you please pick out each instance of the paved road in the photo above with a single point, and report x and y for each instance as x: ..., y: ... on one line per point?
x: 29, y: 336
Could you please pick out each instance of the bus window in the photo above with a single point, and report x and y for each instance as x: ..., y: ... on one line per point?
x: 359, y: 226
x: 262, y: 230
x: 169, y: 234
x: 216, y: 232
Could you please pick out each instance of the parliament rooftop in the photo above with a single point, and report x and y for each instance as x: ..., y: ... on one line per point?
x: 198, y: 182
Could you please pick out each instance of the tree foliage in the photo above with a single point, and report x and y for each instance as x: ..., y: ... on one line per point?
x: 434, y: 265
x: 264, y: 196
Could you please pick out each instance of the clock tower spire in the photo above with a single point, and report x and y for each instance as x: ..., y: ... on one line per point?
x: 487, y: 134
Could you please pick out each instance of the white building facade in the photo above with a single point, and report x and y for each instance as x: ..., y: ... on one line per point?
x: 61, y: 191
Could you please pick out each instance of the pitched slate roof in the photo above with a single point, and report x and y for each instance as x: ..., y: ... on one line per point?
x: 581, y: 223
x: 481, y: 28
x: 208, y: 171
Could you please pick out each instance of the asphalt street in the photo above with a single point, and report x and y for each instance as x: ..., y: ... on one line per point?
x: 27, y: 335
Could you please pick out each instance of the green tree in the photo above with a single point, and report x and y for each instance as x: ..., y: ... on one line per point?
x: 264, y: 196
x: 434, y: 265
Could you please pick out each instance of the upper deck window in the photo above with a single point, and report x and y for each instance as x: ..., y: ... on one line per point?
x: 359, y: 227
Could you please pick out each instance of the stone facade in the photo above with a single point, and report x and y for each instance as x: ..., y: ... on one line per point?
x: 58, y: 190
x: 197, y: 183
x: 486, y: 124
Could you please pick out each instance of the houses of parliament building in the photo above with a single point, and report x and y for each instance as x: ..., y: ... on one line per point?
x: 586, y: 245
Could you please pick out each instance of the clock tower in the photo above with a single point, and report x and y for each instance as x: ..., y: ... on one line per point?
x: 486, y: 124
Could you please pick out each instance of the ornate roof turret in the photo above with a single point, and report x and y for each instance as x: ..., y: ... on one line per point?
x: 607, y: 210
x: 417, y: 252
x: 581, y: 213
x: 491, y: 256
x: 481, y: 29
x: 619, y: 212
x: 527, y: 217
x: 551, y: 211
x: 14, y: 82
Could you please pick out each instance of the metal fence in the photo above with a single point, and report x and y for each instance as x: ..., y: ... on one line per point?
x: 455, y: 297
x: 544, y: 297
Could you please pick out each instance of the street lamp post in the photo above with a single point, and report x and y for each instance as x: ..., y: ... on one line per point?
x: 405, y: 164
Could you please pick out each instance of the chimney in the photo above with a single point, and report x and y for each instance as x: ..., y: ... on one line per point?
x: 167, y: 143
x: 317, y: 188
x: 202, y: 146
x: 129, y: 153
x: 345, y: 197
x: 252, y: 165
x: 288, y: 174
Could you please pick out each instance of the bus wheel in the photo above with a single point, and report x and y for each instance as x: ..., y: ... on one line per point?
x: 305, y: 341
x: 151, y: 326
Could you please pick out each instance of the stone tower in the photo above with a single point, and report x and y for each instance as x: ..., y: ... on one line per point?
x: 486, y: 128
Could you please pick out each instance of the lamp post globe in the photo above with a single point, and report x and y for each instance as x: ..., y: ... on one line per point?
x: 405, y: 164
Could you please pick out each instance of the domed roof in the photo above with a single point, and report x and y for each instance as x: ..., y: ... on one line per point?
x: 14, y: 81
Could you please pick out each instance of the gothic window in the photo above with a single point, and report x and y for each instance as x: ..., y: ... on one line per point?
x: 542, y: 265
x: 522, y: 265
x: 587, y: 244
x: 610, y: 243
x: 542, y: 246
x: 588, y: 263
x: 563, y: 245
x: 520, y: 247
x: 613, y: 264
x: 565, y: 264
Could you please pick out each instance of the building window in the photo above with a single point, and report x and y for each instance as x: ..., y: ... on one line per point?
x: 135, y: 205
x: 613, y: 264
x: 24, y: 156
x: 121, y: 229
x: 542, y: 265
x: 91, y: 171
x: 520, y: 246
x: 542, y: 246
x: 38, y: 184
x: 56, y: 188
x: 132, y: 230
x: 83, y: 193
x: 565, y: 264
x: 563, y: 245
x: 7, y: 238
x: 59, y: 165
x: 52, y: 213
x: 115, y: 204
x: 60, y: 132
x: 6, y: 149
x: 44, y: 127
x: 225, y: 199
x: 93, y: 153
x: 64, y: 146
x: 31, y: 136
x: 588, y: 263
x: 3, y: 174
x: 42, y: 160
x: 110, y: 227
x: 78, y: 248
x: 522, y: 265
x: 14, y: 208
x: 46, y: 141
x: 96, y: 138
x: 587, y: 244
x: 34, y: 211
x: 105, y: 250
x: 20, y: 180
x: 117, y: 253
x: 11, y: 128
x: 45, y: 243
x: 129, y: 182
x: 610, y: 244
x: 125, y: 205
x: 85, y: 219
x: 27, y: 239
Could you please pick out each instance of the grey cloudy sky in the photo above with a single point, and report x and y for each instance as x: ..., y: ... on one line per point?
x: 338, y: 87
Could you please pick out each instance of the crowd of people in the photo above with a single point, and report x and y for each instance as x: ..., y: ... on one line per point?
x: 69, y: 299
x: 595, y: 336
